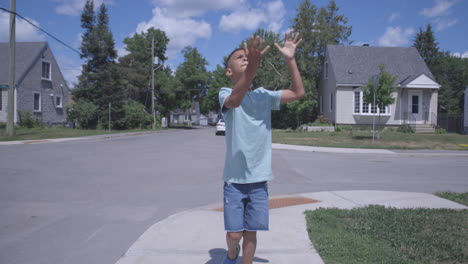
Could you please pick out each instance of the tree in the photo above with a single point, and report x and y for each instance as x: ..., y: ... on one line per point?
x: 193, y: 76
x: 167, y: 87
x: 136, y: 66
x: 383, y: 92
x: 317, y: 28
x: 100, y: 82
x: 210, y: 101
x: 428, y: 48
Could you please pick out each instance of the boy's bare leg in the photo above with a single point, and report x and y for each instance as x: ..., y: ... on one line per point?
x: 249, y: 246
x: 233, y: 239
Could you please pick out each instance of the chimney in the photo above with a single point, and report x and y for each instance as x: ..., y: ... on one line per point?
x: 365, y: 45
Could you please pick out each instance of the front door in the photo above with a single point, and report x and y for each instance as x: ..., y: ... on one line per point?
x: 415, y: 106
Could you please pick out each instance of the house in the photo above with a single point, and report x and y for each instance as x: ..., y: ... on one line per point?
x: 40, y: 86
x: 191, y: 115
x: 348, y: 68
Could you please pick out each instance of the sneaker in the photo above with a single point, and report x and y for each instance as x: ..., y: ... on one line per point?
x: 227, y: 260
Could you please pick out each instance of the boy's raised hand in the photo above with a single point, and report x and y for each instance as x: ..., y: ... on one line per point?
x: 254, y: 52
x: 291, y: 41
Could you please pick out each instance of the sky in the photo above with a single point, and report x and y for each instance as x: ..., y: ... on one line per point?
x: 216, y: 27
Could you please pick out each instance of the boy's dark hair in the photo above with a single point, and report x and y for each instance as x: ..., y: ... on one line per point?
x: 226, y: 62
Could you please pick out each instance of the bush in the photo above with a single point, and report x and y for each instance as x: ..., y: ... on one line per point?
x: 2, y: 125
x: 136, y: 116
x: 405, y: 129
x: 84, y: 114
x: 343, y: 128
x: 440, y: 130
x: 27, y: 120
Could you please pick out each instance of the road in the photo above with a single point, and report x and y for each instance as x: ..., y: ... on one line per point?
x: 87, y: 201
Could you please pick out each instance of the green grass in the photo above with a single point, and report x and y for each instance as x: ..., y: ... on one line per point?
x: 57, y: 132
x: 461, y: 198
x: 376, y: 234
x: 363, y: 139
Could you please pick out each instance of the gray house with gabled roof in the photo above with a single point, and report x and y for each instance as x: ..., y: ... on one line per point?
x: 40, y: 86
x: 348, y: 68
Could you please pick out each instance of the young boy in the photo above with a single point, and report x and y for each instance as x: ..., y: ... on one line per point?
x: 247, y: 168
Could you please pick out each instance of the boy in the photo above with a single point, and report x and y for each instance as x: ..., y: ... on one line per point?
x: 247, y: 168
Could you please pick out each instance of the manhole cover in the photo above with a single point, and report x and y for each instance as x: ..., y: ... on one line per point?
x: 283, y: 202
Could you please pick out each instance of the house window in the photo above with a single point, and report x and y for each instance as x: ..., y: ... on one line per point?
x: 357, y: 102
x: 321, y: 104
x: 58, y: 101
x: 46, y: 71
x: 331, y: 102
x: 1, y: 100
x: 367, y: 108
x: 37, y: 102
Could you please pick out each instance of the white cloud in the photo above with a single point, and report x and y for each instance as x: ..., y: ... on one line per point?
x: 441, y: 8
x: 395, y: 36
x: 443, y: 23
x: 275, y: 13
x: 460, y: 55
x: 393, y: 17
x: 75, y: 7
x: 24, y: 30
x: 181, y: 32
x: 188, y: 8
x: 242, y: 19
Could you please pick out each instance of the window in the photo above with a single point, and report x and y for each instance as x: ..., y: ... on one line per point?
x: 1, y: 97
x: 321, y: 104
x: 331, y: 102
x: 37, y: 102
x: 357, y: 102
x: 46, y: 71
x: 58, y: 101
x: 367, y: 108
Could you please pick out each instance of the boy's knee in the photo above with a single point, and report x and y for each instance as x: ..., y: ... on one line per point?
x: 250, y: 234
x: 235, y: 236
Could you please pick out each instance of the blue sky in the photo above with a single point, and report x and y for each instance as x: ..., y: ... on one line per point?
x: 215, y: 27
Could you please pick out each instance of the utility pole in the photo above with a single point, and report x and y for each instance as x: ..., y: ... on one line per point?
x: 11, y: 71
x: 152, y: 84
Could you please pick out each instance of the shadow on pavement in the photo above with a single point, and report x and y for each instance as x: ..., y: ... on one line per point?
x: 217, y: 255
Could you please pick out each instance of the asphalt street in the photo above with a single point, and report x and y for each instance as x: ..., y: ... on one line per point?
x: 87, y: 201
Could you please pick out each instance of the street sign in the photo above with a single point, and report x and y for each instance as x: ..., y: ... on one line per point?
x: 4, y: 86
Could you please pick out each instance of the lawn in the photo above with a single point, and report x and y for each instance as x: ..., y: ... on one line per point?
x: 363, y: 139
x: 57, y: 132
x: 376, y: 234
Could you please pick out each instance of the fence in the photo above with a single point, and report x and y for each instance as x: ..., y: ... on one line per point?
x: 452, y: 122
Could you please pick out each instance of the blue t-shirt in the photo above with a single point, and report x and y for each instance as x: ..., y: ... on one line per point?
x: 248, y: 136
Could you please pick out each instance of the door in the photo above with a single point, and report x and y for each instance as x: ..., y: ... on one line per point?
x: 415, y: 106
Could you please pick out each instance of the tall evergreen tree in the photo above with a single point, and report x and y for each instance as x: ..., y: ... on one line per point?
x: 428, y: 48
x: 100, y: 82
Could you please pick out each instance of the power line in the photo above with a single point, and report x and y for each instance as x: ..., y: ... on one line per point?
x: 50, y: 35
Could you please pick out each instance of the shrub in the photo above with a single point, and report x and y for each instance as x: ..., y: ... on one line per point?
x: 84, y: 114
x: 343, y: 128
x: 27, y: 120
x: 405, y: 129
x: 136, y: 116
x: 2, y: 125
x: 441, y: 130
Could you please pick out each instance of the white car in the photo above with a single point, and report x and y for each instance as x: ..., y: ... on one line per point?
x: 220, y: 127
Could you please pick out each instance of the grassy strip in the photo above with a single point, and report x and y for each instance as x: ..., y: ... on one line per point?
x: 363, y: 139
x: 461, y: 198
x: 58, y: 132
x: 376, y: 234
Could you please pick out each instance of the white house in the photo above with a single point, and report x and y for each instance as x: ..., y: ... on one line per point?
x: 348, y: 68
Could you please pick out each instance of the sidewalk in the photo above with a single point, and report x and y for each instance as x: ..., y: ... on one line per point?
x: 197, y: 235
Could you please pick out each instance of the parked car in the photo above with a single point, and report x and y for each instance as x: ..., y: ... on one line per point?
x: 220, y: 127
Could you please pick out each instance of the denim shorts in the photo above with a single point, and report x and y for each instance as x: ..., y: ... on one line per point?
x: 246, y: 207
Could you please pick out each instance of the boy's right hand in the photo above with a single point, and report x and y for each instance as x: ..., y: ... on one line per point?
x: 254, y: 52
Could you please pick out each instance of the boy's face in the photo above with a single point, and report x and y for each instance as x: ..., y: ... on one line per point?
x: 237, y: 64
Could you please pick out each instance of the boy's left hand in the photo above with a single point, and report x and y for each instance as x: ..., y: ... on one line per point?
x: 290, y: 45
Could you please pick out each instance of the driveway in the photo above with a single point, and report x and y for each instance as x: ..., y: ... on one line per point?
x: 87, y: 201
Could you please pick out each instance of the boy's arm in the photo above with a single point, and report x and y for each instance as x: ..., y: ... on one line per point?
x: 296, y: 91
x: 254, y: 54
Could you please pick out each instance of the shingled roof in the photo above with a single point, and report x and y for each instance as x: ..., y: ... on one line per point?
x: 26, y: 54
x: 356, y: 64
